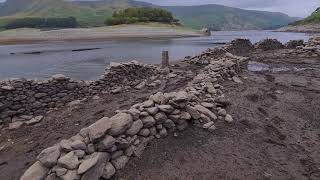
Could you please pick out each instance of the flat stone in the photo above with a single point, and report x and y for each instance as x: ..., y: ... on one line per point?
x: 15, y: 125
x: 34, y: 120
x: 148, y: 121
x: 69, y: 161
x: 135, y: 128
x: 166, y: 108
x: 147, y: 104
x: 74, y: 103
x: 237, y: 80
x: 208, y: 125
x: 152, y: 110
x: 49, y: 156
x: 206, y: 112
x: 35, y: 172
x: 120, y: 123
x: 117, y: 90
x: 71, y: 175
x: 193, y: 112
x: 120, y: 162
x: 98, y: 129
x: 78, y: 145
x: 141, y: 85
x: 109, y: 171
x: 207, y: 105
x: 92, y: 161
x: 59, y: 77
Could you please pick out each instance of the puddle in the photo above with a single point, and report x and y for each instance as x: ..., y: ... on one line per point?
x: 254, y: 66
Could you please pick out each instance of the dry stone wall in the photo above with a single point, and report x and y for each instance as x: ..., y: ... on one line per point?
x: 105, y: 147
x: 22, y: 99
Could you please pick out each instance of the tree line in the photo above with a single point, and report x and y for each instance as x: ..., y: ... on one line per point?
x: 38, y: 22
x: 145, y: 14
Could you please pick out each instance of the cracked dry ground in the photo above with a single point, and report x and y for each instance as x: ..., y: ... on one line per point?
x: 276, y: 134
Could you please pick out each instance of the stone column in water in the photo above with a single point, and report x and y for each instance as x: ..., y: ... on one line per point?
x: 165, y: 59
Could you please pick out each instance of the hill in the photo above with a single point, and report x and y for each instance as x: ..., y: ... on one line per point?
x: 311, y: 24
x: 220, y: 17
x: 94, y: 13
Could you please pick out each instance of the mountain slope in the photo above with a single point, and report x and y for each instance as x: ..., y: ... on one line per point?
x: 220, y: 17
x: 313, y: 18
x: 94, y: 13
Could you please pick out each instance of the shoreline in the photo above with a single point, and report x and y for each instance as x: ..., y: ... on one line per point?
x: 124, y: 32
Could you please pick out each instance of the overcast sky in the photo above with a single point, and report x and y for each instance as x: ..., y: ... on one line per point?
x: 298, y: 8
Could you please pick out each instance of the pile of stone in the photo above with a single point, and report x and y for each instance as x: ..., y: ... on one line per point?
x: 20, y: 99
x: 236, y: 47
x: 269, y: 44
x: 293, y: 44
x: 105, y: 147
x: 315, y: 41
x: 128, y: 73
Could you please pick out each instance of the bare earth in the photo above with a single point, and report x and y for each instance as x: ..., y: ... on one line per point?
x: 153, y: 31
x: 276, y: 135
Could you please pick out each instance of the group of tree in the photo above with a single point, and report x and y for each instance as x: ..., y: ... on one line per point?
x: 145, y: 14
x: 38, y: 22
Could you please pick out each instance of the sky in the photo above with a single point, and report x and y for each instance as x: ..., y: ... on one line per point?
x: 296, y: 8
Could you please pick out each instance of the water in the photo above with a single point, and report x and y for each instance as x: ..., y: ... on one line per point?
x: 58, y: 57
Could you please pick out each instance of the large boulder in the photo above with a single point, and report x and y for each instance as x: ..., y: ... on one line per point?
x: 35, y: 172
x: 135, y: 128
x: 93, y: 167
x: 120, y: 123
x: 98, y: 129
x: 69, y: 161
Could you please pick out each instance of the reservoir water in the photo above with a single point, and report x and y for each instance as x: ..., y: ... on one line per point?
x: 87, y: 60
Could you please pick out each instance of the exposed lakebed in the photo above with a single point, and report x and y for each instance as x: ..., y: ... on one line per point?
x: 87, y: 60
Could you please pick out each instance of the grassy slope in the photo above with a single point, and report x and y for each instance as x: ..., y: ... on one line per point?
x: 222, y: 17
x: 313, y: 18
x: 215, y: 16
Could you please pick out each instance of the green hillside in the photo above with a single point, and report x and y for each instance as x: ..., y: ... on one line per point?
x: 226, y: 18
x: 94, y: 13
x: 313, y: 18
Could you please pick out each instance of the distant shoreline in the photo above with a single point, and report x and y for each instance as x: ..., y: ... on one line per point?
x: 123, y: 32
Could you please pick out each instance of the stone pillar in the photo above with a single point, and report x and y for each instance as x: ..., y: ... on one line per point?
x: 165, y: 59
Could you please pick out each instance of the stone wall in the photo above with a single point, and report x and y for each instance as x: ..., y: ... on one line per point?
x: 269, y: 44
x: 22, y: 99
x: 105, y: 147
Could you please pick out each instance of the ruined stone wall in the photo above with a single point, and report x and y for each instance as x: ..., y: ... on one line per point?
x: 21, y: 99
x: 105, y: 147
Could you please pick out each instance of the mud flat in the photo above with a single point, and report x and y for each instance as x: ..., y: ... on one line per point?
x: 241, y: 111
x: 125, y: 32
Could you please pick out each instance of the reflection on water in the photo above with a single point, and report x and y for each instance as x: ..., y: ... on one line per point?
x: 44, y: 60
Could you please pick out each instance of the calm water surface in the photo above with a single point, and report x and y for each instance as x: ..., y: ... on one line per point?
x: 58, y: 57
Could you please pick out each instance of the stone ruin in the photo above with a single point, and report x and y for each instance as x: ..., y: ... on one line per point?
x: 105, y: 147
x: 269, y: 44
x: 293, y: 44
x: 22, y: 99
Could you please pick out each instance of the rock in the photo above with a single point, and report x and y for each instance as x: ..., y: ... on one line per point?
x: 172, y: 75
x: 117, y: 90
x: 181, y: 96
x: 135, y: 113
x: 152, y: 110
x: 71, y: 175
x: 148, y: 121
x: 79, y: 153
x: 65, y: 145
x: 59, y: 77
x: 222, y: 112
x: 163, y: 132
x: 7, y: 88
x: 78, y: 145
x: 185, y: 116
x: 95, y: 97
x: 107, y: 143
x: 15, y: 125
x: 207, y: 105
x: 98, y: 129
x: 74, y: 103
x: 166, y: 108
x: 116, y: 154
x: 148, y: 104
x: 212, y: 128
x: 158, y: 98
x: 49, y: 156
x: 169, y: 124
x: 120, y: 123
x: 208, y: 125
x: 193, y: 112
x: 135, y: 128
x: 120, y: 162
x: 35, y: 172
x: 52, y: 176
x: 229, y: 118
x: 141, y: 147
x: 34, y: 120
x: 183, y: 126
x: 69, y: 161
x: 92, y: 164
x: 206, y: 112
x: 237, y: 80
x: 109, y: 171
x: 141, y: 85
x: 59, y: 170
x: 160, y: 117
x: 144, y: 132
